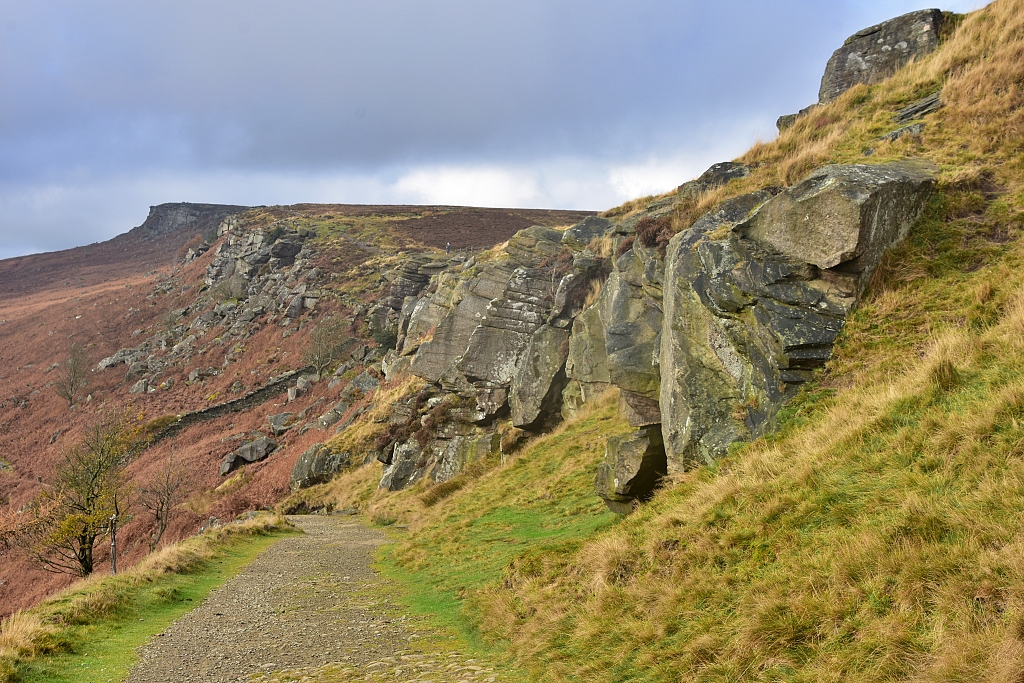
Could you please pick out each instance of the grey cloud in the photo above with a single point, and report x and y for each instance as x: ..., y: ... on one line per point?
x: 94, y: 91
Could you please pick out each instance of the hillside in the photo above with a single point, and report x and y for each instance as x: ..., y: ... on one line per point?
x: 136, y: 291
x: 764, y: 427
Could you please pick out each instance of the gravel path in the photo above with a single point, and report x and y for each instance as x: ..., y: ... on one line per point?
x: 309, y: 608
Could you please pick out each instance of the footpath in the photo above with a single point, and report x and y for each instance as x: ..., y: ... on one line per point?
x: 309, y: 608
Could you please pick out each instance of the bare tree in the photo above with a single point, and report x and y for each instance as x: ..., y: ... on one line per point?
x: 72, y: 375
x: 161, y: 493
x: 324, y: 345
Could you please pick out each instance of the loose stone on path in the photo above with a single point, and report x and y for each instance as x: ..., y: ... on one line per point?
x: 309, y: 608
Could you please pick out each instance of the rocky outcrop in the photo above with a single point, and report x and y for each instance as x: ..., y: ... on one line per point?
x: 633, y: 465
x: 845, y: 214
x: 244, y: 254
x: 405, y: 467
x: 757, y: 291
x: 874, y: 54
x: 616, y: 341
x: 581, y: 234
x: 717, y: 175
x: 536, y: 392
x: 318, y: 464
x: 879, y: 51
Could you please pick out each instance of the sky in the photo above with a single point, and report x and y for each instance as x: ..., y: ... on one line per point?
x: 109, y: 107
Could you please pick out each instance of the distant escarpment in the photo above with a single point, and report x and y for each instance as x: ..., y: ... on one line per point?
x: 166, y: 219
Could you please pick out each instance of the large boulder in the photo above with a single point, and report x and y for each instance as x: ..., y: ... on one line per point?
x: 630, y: 310
x: 717, y: 175
x: 757, y: 292
x: 580, y: 235
x: 253, y: 451
x: 317, y: 465
x: 280, y: 423
x: 845, y: 214
x: 534, y: 245
x: 879, y: 51
x: 453, y: 455
x: 588, y: 358
x: 633, y: 465
x: 536, y: 394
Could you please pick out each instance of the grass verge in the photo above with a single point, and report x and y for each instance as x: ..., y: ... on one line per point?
x: 90, y: 631
x: 536, y: 507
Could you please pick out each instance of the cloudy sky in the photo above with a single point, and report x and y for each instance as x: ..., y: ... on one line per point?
x: 108, y: 107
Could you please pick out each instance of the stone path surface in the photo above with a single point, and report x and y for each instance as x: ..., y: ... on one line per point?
x: 309, y: 608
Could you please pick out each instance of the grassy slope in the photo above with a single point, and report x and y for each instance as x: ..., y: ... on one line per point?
x: 90, y: 632
x: 878, y: 536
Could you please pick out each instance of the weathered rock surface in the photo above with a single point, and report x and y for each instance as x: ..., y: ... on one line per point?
x: 253, y: 451
x: 536, y: 392
x: 719, y: 174
x: 318, y: 464
x: 922, y: 107
x: 841, y: 214
x: 633, y: 465
x: 879, y: 51
x: 450, y: 336
x: 581, y: 234
x: 404, y: 468
x: 279, y: 423
x: 757, y: 291
x: 617, y: 340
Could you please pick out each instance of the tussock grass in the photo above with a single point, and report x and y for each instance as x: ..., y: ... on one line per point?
x: 601, y: 247
x: 358, y: 438
x: 877, y: 538
x: 64, y: 623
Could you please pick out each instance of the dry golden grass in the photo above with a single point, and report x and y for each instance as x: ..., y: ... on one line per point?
x: 38, y: 631
x: 358, y: 438
x: 593, y: 294
x: 23, y: 634
x: 601, y: 246
x: 853, y: 549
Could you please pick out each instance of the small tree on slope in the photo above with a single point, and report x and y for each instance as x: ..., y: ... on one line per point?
x: 89, y: 486
x: 72, y: 375
x: 161, y: 493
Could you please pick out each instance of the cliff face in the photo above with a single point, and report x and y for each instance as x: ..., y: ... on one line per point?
x: 705, y: 341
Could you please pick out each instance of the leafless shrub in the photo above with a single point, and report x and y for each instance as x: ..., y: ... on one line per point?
x: 73, y: 375
x: 323, y: 347
x: 162, y: 493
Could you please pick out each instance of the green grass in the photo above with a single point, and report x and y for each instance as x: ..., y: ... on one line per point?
x: 541, y: 503
x: 100, y: 646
